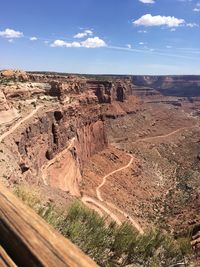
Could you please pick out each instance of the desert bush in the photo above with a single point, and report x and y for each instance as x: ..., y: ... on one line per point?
x: 89, y: 231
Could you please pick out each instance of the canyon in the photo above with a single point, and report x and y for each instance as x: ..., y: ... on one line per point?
x: 128, y: 147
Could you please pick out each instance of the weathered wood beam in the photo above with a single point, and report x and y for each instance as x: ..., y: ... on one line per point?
x: 30, y: 241
x: 5, y: 260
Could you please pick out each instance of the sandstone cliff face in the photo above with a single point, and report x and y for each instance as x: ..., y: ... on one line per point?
x: 72, y: 111
x: 65, y: 174
x: 109, y: 91
x: 62, y: 89
x: 105, y: 91
x: 50, y: 134
x: 102, y: 90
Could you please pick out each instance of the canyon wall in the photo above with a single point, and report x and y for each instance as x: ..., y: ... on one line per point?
x: 72, y: 108
x: 51, y: 133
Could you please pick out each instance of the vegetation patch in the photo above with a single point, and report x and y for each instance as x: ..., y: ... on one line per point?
x: 110, y: 244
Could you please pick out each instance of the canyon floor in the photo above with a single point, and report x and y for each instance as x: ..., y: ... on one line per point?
x: 126, y: 150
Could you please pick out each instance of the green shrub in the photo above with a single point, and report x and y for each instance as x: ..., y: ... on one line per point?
x: 89, y: 231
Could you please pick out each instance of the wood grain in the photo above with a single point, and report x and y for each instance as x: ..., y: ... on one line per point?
x: 5, y: 260
x: 30, y: 241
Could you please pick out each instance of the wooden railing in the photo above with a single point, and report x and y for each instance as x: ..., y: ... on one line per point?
x: 26, y: 240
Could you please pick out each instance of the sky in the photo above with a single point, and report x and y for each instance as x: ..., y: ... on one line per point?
x: 101, y: 36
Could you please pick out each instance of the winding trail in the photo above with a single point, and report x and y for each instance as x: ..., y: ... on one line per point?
x: 95, y: 203
x: 100, y: 201
x: 111, y: 173
x: 12, y: 129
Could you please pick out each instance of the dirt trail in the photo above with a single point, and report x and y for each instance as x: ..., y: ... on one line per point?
x: 45, y: 167
x: 87, y: 201
x: 97, y: 204
x: 11, y: 130
x: 111, y: 173
x: 162, y: 136
x: 133, y: 222
x: 100, y: 201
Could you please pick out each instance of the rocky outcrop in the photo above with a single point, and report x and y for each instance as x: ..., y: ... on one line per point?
x: 109, y: 91
x: 25, y: 91
x: 62, y: 89
x: 102, y: 89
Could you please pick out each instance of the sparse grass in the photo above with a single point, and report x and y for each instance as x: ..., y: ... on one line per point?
x: 110, y: 244
x: 32, y: 199
x: 29, y: 197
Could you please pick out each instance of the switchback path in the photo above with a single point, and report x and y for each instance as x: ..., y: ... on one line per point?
x: 111, y: 173
x: 100, y: 201
x: 95, y: 203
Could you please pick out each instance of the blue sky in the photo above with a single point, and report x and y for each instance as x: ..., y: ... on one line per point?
x: 101, y: 36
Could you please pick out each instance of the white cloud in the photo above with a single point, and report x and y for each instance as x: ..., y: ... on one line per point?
x: 80, y: 35
x: 147, y: 1
x: 10, y: 40
x: 33, y: 38
x: 141, y: 43
x: 173, y: 29
x: 61, y: 43
x: 129, y: 46
x: 10, y: 33
x: 149, y: 20
x: 83, y: 34
x: 168, y: 46
x: 58, y: 43
x: 94, y: 42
